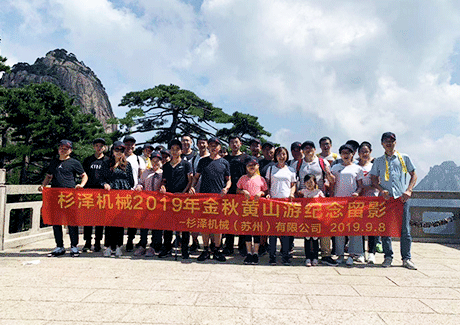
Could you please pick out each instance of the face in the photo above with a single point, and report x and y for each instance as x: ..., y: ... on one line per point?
x: 99, y: 148
x: 118, y: 152
x: 296, y: 153
x: 214, y: 148
x: 147, y: 151
x: 269, y: 152
x: 186, y: 143
x: 310, y: 184
x: 281, y: 156
x: 235, y: 145
x: 129, y: 147
x: 176, y: 151
x: 165, y: 158
x: 364, y: 153
x: 309, y: 151
x: 156, y: 163
x: 202, y: 145
x: 325, y: 145
x: 255, y: 148
x: 389, y: 145
x: 252, y: 168
x: 346, y: 155
x: 64, y: 150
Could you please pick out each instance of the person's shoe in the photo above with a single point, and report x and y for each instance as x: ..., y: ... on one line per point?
x: 218, y: 256
x: 185, y: 255
x: 205, y: 255
x: 58, y: 251
x: 129, y: 246
x: 108, y: 252
x: 255, y: 259
x: 74, y: 252
x: 387, y: 262
x: 328, y: 260
x: 97, y: 246
x: 248, y: 259
x: 286, y: 262
x: 408, y: 264
x: 379, y: 248
x: 194, y: 247
x: 350, y: 261
x: 272, y: 261
x: 361, y: 259
x: 118, y: 252
x: 340, y: 259
x: 87, y: 247
x: 314, y: 262
x: 371, y: 258
x: 308, y: 262
x: 139, y: 251
x: 150, y: 252
x: 227, y: 251
x: 164, y: 252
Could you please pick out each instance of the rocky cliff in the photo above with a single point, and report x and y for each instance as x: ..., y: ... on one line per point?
x: 64, y: 70
x: 444, y: 177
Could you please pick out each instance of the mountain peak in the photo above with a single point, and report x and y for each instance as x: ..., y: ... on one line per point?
x: 443, y: 177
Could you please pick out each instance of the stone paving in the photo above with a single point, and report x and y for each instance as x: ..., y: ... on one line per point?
x: 91, y: 289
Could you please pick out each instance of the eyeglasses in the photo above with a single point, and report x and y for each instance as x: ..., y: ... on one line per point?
x: 118, y: 149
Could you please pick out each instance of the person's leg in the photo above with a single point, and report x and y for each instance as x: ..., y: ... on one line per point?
x: 57, y: 231
x: 406, y: 239
x: 307, y: 247
x: 256, y: 244
x: 272, y: 246
x: 371, y: 242
x: 285, y: 249
x: 98, y: 233
x: 355, y: 246
x: 87, y: 233
x: 73, y: 234
x: 185, y: 240
x: 340, y: 245
x: 325, y: 243
x: 229, y: 243
x: 131, y: 234
x: 143, y: 241
x: 157, y: 236
x: 315, y: 249
x: 387, y: 247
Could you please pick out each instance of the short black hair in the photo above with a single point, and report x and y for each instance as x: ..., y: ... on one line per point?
x: 365, y: 144
x: 324, y: 139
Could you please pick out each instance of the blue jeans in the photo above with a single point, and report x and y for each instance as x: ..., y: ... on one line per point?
x: 406, y: 239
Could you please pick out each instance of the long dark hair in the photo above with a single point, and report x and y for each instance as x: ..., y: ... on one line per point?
x: 114, y: 163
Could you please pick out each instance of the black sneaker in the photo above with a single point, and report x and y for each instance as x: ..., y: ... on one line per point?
x: 194, y: 247
x: 248, y: 259
x: 205, y: 255
x: 164, y: 253
x: 327, y: 260
x: 218, y: 256
x: 129, y: 246
x: 272, y: 261
x: 87, y: 247
x: 255, y: 259
x: 97, y: 246
x: 286, y: 262
x: 227, y: 251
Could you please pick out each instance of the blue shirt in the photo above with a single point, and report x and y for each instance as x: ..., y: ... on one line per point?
x: 398, y: 182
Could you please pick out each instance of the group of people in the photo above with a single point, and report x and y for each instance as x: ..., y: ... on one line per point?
x: 264, y: 171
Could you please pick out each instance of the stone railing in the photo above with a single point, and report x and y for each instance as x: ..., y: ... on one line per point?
x: 35, y: 233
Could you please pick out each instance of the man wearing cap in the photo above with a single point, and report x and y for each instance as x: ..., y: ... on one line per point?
x: 187, y: 151
x: 254, y: 146
x: 268, y: 150
x: 93, y: 168
x: 61, y: 173
x: 311, y: 164
x: 138, y: 166
x: 236, y: 159
x: 389, y: 175
x: 215, y: 173
x: 146, y: 152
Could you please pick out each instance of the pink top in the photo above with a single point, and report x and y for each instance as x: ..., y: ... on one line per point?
x: 252, y: 184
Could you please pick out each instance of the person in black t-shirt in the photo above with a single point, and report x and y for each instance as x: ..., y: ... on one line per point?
x: 268, y: 150
x: 61, y: 173
x: 215, y: 178
x: 237, y: 169
x: 93, y: 168
x: 187, y: 151
x: 177, y: 178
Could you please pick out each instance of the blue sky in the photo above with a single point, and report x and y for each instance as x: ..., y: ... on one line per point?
x: 347, y: 69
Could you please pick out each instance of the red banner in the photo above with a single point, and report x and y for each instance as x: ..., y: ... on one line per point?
x: 229, y: 214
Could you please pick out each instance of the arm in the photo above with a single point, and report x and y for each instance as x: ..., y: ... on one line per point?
x: 194, y: 182
x: 84, y: 179
x: 376, y: 184
x: 46, y: 181
x: 408, y: 193
x: 189, y: 184
x: 359, y: 189
x: 227, y: 186
x: 293, y: 187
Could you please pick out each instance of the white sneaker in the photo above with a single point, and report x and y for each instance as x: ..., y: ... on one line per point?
x: 118, y: 251
x: 314, y: 262
x: 350, y: 261
x: 308, y: 262
x: 108, y: 252
x: 371, y: 258
x: 361, y: 259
